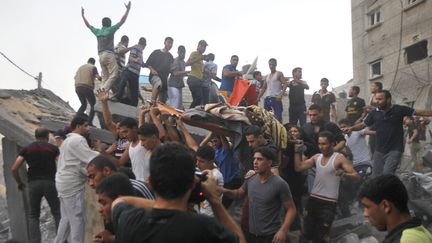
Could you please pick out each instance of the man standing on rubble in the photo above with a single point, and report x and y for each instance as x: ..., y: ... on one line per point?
x: 229, y: 73
x: 40, y: 157
x: 105, y: 39
x: 196, y: 74
x: 275, y: 85
x: 388, y: 120
x: 71, y: 176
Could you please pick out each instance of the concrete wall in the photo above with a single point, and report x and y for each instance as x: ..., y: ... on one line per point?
x: 401, y: 26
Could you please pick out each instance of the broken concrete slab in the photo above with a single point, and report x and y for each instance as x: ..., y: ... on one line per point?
x: 117, y: 108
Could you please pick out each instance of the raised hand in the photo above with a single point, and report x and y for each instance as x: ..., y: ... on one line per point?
x: 102, y: 95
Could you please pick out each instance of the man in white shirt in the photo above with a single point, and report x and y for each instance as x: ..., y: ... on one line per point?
x: 70, y: 179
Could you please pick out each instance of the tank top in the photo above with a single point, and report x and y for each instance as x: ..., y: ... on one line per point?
x: 140, y: 158
x: 326, y: 184
x: 274, y: 86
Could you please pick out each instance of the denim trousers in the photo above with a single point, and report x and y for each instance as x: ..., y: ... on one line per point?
x: 38, y: 189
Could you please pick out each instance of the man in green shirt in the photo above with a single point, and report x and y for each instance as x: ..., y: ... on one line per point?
x: 105, y: 39
x: 385, y: 205
x: 195, y: 77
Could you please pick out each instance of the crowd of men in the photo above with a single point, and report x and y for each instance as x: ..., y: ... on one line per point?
x: 157, y: 183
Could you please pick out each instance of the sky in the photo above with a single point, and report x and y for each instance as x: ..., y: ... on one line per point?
x: 49, y: 36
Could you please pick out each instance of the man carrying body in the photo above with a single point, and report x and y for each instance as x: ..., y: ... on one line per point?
x: 194, y: 80
x: 326, y: 100
x: 175, y: 82
x: 167, y: 220
x: 159, y: 62
x: 267, y: 193
x: 40, y: 157
x: 297, y: 104
x: 275, y: 84
x: 388, y: 121
x: 355, y: 106
x: 229, y: 74
x: 149, y: 136
x: 84, y: 85
x: 130, y: 76
x: 105, y: 38
x: 70, y: 179
x: 385, y: 205
x: 330, y: 168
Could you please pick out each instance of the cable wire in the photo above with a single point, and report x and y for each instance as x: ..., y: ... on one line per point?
x: 22, y: 70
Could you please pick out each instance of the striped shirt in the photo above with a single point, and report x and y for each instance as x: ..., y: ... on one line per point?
x: 141, y: 189
x: 135, y: 67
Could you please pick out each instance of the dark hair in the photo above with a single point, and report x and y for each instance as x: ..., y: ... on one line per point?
x: 386, y: 187
x: 326, y: 134
x: 142, y: 41
x: 253, y: 130
x: 79, y: 119
x: 211, y: 56
x: 41, y: 133
x: 295, y: 70
x: 272, y: 60
x: 181, y: 48
x: 387, y: 93
x: 101, y: 161
x: 266, y: 152
x: 115, y: 185
x: 324, y: 80
x: 148, y: 130
x: 315, y: 107
x: 356, y: 89
x: 128, y: 122
x: 124, y: 38
x: 379, y: 85
x: 233, y: 56
x: 168, y: 38
x: 91, y: 60
x: 206, y: 152
x: 127, y: 172
x: 345, y: 121
x: 106, y: 22
x: 172, y: 170
x: 256, y: 73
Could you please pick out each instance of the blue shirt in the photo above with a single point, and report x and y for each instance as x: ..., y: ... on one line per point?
x: 389, y: 131
x: 227, y: 163
x: 227, y: 83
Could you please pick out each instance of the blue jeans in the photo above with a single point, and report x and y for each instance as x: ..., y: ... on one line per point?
x: 271, y: 103
x: 206, y: 95
x: 385, y: 163
x: 38, y: 189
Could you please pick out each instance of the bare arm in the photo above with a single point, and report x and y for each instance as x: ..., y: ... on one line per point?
x: 84, y: 18
x: 346, y: 166
x: 333, y: 113
x: 290, y: 214
x: 213, y: 197
x: 225, y: 143
x: 190, y: 141
x: 123, y: 19
x: 300, y: 164
x: 355, y: 127
x: 158, y: 123
x: 15, y: 167
x: 231, y: 74
x: 138, y: 202
x: 207, y: 139
x: 262, y: 90
x: 234, y: 194
x: 284, y: 83
x: 102, y: 96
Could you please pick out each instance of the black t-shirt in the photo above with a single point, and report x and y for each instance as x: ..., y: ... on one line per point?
x: 41, y: 159
x: 310, y: 137
x: 296, y: 93
x: 161, y: 62
x: 136, y: 225
x: 325, y: 101
x: 388, y: 126
x: 354, y: 109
